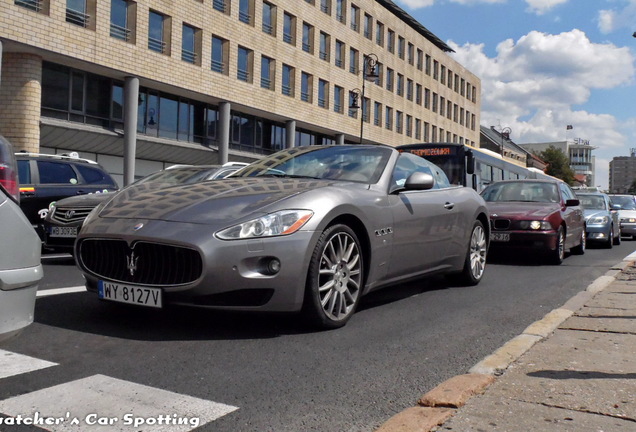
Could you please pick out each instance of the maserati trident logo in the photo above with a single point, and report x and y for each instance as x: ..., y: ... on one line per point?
x: 131, y: 263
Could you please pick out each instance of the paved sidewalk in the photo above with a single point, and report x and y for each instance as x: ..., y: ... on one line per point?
x: 574, y: 371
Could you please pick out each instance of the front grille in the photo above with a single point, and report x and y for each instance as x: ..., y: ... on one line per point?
x: 71, y: 214
x: 501, y: 224
x: 145, y: 263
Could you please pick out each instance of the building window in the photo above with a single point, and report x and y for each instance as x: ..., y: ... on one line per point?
x: 449, y: 81
x: 325, y: 6
x: 289, y: 29
x: 269, y: 19
x: 380, y: 70
x: 340, y: 46
x: 390, y: 42
x: 308, y: 38
x: 123, y: 15
x: 244, y: 64
x: 338, y: 95
x: 377, y: 113
x: 435, y: 70
x: 442, y: 103
x: 157, y: 33
x: 246, y: 11
x: 409, y: 125
x: 267, y: 73
x: 324, y: 46
x: 353, y: 61
x: 288, y: 81
x: 409, y: 89
x: 388, y: 118
x: 366, y: 109
x: 410, y: 53
x: 400, y: 84
x: 398, y: 121
x: 420, y: 59
x: 34, y: 5
x: 435, y: 100
x: 427, y: 98
x: 379, y: 33
x: 427, y: 65
x: 220, y: 55
x: 221, y: 6
x: 191, y: 45
x: 306, y: 85
x: 449, y: 109
x: 353, y: 100
x: 418, y: 94
x: 401, y: 43
x: 418, y: 129
x: 389, y: 79
x: 355, y: 18
x: 340, y: 11
x: 81, y: 13
x: 368, y: 26
x: 323, y: 94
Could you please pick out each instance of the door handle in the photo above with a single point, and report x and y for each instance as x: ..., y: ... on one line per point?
x: 449, y: 206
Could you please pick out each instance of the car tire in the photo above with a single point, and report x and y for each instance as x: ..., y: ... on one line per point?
x: 617, y: 239
x: 557, y: 255
x: 610, y: 240
x: 580, y: 248
x: 335, y: 278
x: 475, y: 262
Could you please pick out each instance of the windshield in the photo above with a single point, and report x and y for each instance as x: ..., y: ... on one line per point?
x: 363, y: 164
x: 522, y: 191
x: 592, y: 202
x: 177, y: 176
x: 626, y: 202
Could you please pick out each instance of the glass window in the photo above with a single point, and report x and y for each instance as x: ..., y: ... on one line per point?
x: 92, y: 175
x: 55, y: 86
x: 390, y: 43
x: 308, y: 33
x: 355, y: 18
x: 168, y: 116
x: 219, y: 61
x: 266, y: 73
x: 289, y: 29
x: 98, y: 96
x: 305, y: 87
x: 353, y: 61
x: 243, y: 65
x: 324, y: 46
x: 379, y: 33
x: 77, y: 91
x: 76, y: 12
x: 377, y: 113
x: 117, y: 108
x: 56, y: 173
x: 340, y: 11
x: 155, y: 32
x: 288, y: 80
x: 188, y: 50
x: 338, y: 94
x: 323, y: 93
x: 325, y: 6
x: 269, y: 22
x: 119, y: 19
x: 245, y: 11
x: 401, y: 43
x: 368, y: 26
x: 340, y: 54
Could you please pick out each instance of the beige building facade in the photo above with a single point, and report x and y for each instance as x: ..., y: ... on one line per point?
x: 207, y: 81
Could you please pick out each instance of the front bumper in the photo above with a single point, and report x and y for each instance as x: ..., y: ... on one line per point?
x: 18, y: 290
x: 599, y: 233
x: 234, y: 274
x: 628, y: 229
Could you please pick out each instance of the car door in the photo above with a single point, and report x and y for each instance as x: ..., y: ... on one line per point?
x: 573, y: 217
x: 423, y: 220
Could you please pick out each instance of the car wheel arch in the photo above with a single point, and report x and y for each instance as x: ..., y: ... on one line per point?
x: 361, y: 232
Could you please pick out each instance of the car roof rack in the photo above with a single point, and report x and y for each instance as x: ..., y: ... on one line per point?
x: 74, y: 156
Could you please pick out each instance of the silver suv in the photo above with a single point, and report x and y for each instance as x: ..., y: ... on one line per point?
x: 20, y: 267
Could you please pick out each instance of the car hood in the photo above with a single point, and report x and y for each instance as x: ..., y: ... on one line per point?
x: 627, y: 213
x: 218, y: 201
x: 594, y: 213
x: 87, y: 200
x: 522, y: 210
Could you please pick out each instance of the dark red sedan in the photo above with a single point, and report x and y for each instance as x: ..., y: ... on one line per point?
x: 542, y: 215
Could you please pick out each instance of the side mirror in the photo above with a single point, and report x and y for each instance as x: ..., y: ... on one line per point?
x: 615, y: 207
x: 470, y: 162
x: 419, y: 181
x: 572, y: 202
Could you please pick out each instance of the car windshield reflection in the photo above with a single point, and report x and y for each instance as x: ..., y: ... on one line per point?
x: 592, y: 202
x: 362, y: 164
x: 522, y: 192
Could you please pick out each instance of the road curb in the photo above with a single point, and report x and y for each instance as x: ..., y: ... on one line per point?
x: 455, y: 392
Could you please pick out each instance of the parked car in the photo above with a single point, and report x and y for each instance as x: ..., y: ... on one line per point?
x: 46, y: 178
x: 20, y: 267
x: 308, y: 229
x: 601, y: 219
x: 544, y: 215
x: 626, y: 214
x: 66, y: 216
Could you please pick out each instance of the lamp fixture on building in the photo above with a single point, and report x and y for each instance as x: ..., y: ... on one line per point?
x: 369, y: 73
x: 505, y: 135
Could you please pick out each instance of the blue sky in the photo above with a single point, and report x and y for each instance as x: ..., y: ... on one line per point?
x: 545, y: 64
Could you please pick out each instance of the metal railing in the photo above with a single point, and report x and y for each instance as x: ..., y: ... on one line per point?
x: 288, y: 38
x: 188, y: 56
x: 156, y: 45
x: 244, y: 17
x: 324, y: 55
x: 304, y: 96
x: 34, y: 5
x: 217, y: 66
x: 77, y: 17
x: 287, y: 90
x: 266, y: 83
x: 306, y: 47
x: 243, y: 75
x: 322, y: 103
x: 119, y: 32
x: 268, y: 29
x: 219, y: 5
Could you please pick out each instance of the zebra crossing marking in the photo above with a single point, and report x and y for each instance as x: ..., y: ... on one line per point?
x: 15, y: 364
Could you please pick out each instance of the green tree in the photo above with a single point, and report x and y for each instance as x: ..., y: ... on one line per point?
x: 558, y: 164
x: 632, y: 188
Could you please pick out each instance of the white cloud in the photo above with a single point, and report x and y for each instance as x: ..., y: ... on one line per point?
x: 610, y: 20
x: 540, y: 7
x: 417, y: 4
x: 532, y: 86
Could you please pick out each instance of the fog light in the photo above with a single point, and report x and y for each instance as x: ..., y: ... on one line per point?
x: 273, y: 266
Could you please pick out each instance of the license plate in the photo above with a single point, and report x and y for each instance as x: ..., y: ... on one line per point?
x: 63, y: 231
x: 500, y: 237
x: 131, y: 294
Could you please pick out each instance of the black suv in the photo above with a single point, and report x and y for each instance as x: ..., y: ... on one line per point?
x: 48, y: 178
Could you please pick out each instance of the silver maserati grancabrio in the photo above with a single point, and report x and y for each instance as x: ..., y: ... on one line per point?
x: 308, y: 229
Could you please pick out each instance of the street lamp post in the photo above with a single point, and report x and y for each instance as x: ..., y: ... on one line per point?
x: 369, y: 73
x: 505, y: 134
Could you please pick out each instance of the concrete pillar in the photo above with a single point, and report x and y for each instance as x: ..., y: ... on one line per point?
x: 131, y: 103
x: 290, y: 133
x: 223, y: 139
x: 21, y: 96
x: 340, y: 139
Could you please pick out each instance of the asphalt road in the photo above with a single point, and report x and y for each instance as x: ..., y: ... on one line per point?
x: 281, y: 376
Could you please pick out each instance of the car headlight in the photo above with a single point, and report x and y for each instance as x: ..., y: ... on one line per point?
x: 535, y: 225
x: 598, y: 220
x: 628, y: 220
x: 284, y: 222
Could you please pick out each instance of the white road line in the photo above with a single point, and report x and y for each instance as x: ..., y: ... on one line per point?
x: 119, y: 406
x: 15, y: 364
x: 56, y: 291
